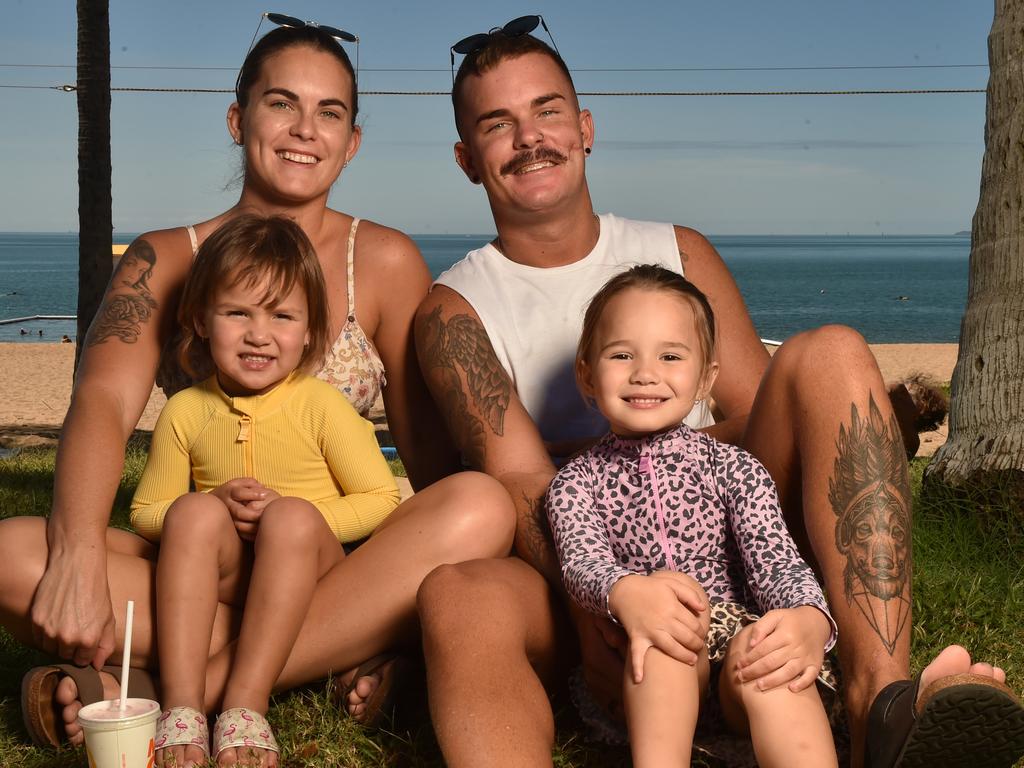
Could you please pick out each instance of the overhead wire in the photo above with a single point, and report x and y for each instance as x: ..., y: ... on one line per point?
x: 623, y: 93
x: 851, y: 92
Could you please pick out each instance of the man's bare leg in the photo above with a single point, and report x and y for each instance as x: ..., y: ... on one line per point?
x: 492, y: 631
x: 823, y: 427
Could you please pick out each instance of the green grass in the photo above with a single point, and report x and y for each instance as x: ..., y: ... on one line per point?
x: 968, y: 588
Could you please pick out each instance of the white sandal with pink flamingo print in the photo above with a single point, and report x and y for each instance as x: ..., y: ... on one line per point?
x: 241, y: 727
x: 182, y: 726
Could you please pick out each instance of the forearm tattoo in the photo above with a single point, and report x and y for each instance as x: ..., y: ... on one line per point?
x: 536, y: 539
x: 870, y: 494
x: 462, y: 343
x: 129, y: 303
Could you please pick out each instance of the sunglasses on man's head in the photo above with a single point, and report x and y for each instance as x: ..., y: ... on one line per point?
x: 524, y: 25
x: 283, y: 20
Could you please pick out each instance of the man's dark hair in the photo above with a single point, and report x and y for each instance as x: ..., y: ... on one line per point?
x: 500, y: 47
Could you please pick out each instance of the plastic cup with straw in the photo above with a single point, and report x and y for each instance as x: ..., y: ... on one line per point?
x: 122, y: 731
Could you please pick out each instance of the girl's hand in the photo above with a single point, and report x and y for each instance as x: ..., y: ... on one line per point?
x: 245, y: 499
x: 785, y: 646
x: 666, y: 610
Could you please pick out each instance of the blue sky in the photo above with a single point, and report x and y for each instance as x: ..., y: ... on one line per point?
x: 725, y: 165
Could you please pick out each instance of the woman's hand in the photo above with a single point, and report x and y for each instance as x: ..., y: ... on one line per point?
x: 71, y: 611
x: 245, y: 499
x: 665, y: 610
x: 785, y: 646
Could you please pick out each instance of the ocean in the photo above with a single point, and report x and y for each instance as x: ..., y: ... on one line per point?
x: 891, y: 289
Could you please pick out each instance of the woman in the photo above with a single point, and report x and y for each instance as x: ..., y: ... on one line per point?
x: 294, y: 119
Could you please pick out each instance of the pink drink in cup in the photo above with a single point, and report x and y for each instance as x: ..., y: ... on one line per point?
x: 120, y: 738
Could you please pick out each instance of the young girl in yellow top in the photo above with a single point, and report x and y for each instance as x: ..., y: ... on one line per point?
x: 283, y: 469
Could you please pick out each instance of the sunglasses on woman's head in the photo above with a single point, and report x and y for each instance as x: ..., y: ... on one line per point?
x: 283, y: 20
x: 524, y: 25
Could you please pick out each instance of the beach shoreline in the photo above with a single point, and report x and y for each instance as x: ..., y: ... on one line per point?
x: 35, y: 386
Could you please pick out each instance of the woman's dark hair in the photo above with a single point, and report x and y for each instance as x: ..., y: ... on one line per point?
x: 251, y: 250
x: 648, y: 277
x: 286, y: 37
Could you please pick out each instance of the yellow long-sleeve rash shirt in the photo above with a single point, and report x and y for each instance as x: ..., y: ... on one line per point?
x: 301, y: 439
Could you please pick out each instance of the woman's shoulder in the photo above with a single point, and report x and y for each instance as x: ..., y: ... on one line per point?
x: 389, y: 247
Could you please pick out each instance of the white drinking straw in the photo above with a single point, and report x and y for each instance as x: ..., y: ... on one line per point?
x: 126, y: 656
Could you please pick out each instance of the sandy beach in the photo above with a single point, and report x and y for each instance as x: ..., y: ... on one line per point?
x: 35, y: 385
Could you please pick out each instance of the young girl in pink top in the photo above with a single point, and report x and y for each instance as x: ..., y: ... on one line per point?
x: 680, y: 539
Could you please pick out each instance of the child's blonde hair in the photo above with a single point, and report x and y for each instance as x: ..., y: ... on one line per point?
x: 647, y: 277
x: 248, y: 250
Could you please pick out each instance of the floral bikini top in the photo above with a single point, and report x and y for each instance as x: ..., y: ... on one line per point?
x: 352, y: 364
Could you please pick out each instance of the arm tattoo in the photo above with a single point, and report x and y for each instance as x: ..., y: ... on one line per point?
x: 129, y: 303
x: 462, y: 343
x: 870, y: 494
x: 536, y: 538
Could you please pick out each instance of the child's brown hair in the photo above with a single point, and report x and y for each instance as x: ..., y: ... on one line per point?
x: 248, y: 250
x: 647, y: 277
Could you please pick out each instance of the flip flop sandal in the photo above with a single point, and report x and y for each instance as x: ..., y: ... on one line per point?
x: 43, y: 716
x: 379, y: 706
x: 241, y: 727
x: 966, y: 721
x: 182, y: 726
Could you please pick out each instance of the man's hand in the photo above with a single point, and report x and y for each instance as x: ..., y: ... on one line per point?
x: 786, y: 646
x: 71, y: 613
x: 245, y: 499
x: 666, y: 610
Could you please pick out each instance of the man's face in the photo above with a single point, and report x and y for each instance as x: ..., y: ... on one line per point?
x: 523, y: 135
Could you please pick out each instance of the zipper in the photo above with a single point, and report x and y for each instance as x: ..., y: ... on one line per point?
x: 648, y: 468
x: 245, y: 435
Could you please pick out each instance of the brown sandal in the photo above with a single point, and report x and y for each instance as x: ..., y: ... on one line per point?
x: 43, y: 716
x: 964, y: 721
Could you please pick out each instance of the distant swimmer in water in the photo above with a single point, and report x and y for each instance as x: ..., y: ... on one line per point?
x: 24, y: 332
x: 822, y: 290
x: 902, y: 298
x: 40, y: 331
x: 65, y: 339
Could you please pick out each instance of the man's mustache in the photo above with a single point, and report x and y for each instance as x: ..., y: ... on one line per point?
x: 528, y: 156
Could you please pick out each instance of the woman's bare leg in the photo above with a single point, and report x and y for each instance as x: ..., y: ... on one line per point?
x: 363, y: 606
x: 366, y: 604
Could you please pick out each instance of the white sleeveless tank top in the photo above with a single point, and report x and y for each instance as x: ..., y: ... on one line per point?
x: 534, y: 315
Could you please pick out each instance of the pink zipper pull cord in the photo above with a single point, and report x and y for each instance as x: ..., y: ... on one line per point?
x: 648, y: 468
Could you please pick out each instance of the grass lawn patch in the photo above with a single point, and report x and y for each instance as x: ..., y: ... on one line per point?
x: 968, y: 589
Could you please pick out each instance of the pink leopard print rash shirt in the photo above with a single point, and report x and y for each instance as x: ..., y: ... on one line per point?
x: 680, y: 501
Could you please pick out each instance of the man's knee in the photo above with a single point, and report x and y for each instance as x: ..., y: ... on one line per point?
x: 838, y: 343
x: 499, y: 598
x: 450, y: 590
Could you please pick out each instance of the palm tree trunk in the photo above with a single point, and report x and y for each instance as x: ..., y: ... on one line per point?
x: 986, y: 420
x: 95, y: 221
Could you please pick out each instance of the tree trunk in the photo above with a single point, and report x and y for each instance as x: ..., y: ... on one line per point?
x: 986, y: 419
x: 95, y: 220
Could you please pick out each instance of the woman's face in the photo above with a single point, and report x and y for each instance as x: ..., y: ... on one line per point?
x: 296, y: 129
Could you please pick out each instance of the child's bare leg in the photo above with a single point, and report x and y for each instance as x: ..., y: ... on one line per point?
x: 294, y: 548
x: 787, y: 729
x: 202, y: 561
x: 661, y: 711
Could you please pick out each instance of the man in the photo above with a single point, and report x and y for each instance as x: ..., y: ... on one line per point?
x: 496, y: 339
